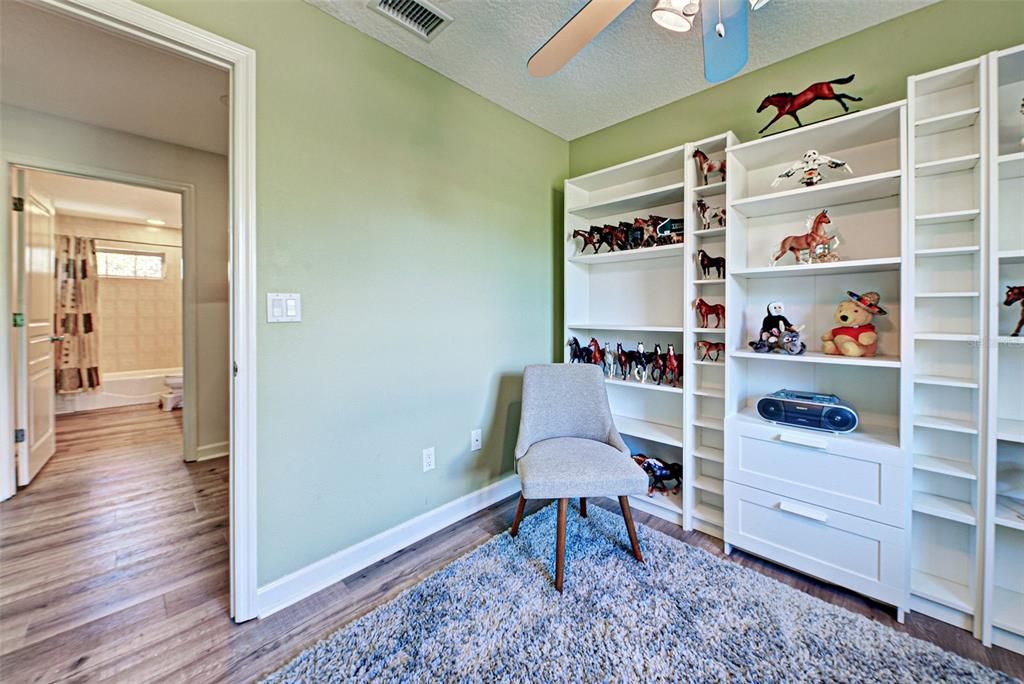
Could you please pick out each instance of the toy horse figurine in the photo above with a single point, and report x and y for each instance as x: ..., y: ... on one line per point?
x: 709, y: 215
x: 809, y: 240
x: 706, y: 166
x: 590, y: 238
x: 577, y: 354
x: 706, y: 348
x: 672, y: 363
x: 596, y: 353
x: 1015, y: 293
x: 623, y: 360
x: 640, y: 363
x: 788, y: 104
x: 658, y: 365
x: 660, y: 473
x: 707, y: 262
x: 704, y: 310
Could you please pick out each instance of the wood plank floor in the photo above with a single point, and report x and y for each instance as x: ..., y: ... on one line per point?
x: 113, y: 566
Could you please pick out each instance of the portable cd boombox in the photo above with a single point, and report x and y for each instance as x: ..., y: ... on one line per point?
x: 808, y: 410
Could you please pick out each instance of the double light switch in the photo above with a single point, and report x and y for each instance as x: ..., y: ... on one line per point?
x: 284, y: 307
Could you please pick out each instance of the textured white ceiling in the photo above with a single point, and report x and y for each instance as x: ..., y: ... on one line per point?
x: 106, y: 200
x: 631, y: 68
x: 59, y: 66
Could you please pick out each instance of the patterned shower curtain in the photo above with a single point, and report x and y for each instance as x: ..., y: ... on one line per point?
x: 78, y: 354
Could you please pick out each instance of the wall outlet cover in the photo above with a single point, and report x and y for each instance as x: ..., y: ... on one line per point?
x: 475, y: 439
x: 428, y: 459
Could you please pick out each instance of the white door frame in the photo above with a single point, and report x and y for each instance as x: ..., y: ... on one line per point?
x: 153, y: 28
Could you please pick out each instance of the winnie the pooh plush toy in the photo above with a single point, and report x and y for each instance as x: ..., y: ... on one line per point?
x: 855, y: 335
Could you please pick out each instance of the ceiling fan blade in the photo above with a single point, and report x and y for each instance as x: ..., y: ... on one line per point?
x: 724, y: 57
x: 574, y: 36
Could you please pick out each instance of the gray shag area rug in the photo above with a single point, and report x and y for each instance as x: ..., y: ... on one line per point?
x: 682, y: 616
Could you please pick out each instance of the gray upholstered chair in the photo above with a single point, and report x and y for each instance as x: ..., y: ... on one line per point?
x: 568, y: 447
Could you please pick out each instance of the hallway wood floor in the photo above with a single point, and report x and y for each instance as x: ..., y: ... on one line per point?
x: 113, y: 566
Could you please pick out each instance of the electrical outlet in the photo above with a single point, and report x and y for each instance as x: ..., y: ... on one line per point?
x: 475, y: 438
x: 428, y: 459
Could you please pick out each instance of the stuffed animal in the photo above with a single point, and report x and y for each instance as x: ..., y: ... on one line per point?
x: 774, y: 322
x: 855, y: 335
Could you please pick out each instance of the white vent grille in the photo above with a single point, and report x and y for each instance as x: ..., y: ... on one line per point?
x: 420, y: 17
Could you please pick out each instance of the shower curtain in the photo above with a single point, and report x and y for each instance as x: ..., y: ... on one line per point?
x: 77, y: 288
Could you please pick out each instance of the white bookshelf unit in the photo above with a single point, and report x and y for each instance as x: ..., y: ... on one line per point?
x: 948, y: 236
x: 1003, y: 477
x: 833, y: 506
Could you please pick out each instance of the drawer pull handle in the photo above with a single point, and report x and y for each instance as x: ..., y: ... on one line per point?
x: 803, y: 511
x: 803, y: 440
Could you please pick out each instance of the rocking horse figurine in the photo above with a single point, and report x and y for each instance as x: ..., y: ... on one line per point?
x: 707, y: 262
x: 809, y: 166
x: 704, y: 310
x: 809, y: 241
x: 577, y: 354
x: 708, y: 215
x: 1015, y: 293
x: 706, y: 348
x: 706, y: 166
x: 788, y: 104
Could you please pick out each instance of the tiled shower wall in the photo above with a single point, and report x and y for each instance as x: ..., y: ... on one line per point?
x: 139, y: 320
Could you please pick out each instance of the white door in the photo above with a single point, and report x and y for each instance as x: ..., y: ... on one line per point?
x: 35, y: 369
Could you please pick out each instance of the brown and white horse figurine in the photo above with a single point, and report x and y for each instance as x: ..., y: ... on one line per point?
x: 704, y: 310
x: 788, y: 104
x: 809, y: 240
x: 1015, y: 293
x: 708, y: 215
x: 706, y: 166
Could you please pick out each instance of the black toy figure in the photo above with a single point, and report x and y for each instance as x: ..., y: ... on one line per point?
x: 660, y: 473
x: 774, y: 322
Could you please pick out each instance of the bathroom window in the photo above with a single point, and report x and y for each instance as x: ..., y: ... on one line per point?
x: 120, y: 263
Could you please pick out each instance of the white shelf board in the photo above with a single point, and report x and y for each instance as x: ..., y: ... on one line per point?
x: 951, y: 165
x: 708, y: 513
x: 941, y: 590
x: 1010, y: 430
x: 625, y: 326
x: 637, y: 201
x: 709, y: 330
x: 866, y: 435
x: 944, y: 507
x: 948, y: 337
x: 709, y: 454
x: 834, y: 268
x: 945, y: 381
x: 828, y: 194
x: 1010, y: 512
x: 661, y: 252
x: 1006, y: 339
x: 948, y: 424
x: 709, y: 281
x: 1008, y: 609
x: 709, y: 423
x: 948, y: 251
x: 709, y: 484
x: 947, y: 217
x: 709, y: 189
x: 1011, y: 165
x: 944, y: 466
x: 710, y: 232
x: 656, y: 164
x: 819, y: 357
x: 946, y: 122
x: 658, y: 502
x: 1011, y: 256
x: 708, y: 363
x: 644, y: 385
x: 653, y: 432
x: 711, y: 392
x: 945, y: 295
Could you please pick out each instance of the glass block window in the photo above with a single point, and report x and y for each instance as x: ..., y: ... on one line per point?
x: 117, y: 263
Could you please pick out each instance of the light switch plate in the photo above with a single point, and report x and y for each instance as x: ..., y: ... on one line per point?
x: 284, y: 307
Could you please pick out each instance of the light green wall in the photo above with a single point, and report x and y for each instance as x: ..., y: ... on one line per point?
x: 416, y: 219
x: 882, y: 57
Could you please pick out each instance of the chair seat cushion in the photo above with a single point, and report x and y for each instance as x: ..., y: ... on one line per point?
x: 569, y: 467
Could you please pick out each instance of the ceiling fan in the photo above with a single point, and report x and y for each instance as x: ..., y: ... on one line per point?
x: 723, y: 25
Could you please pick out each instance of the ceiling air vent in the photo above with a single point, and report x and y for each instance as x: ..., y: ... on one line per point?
x: 420, y: 17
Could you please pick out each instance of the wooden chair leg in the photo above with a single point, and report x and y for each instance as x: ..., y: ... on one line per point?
x: 519, y: 516
x: 628, y: 516
x: 563, y: 509
x: 583, y: 507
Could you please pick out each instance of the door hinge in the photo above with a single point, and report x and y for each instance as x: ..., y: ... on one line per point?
x: 234, y: 369
x: 19, y: 320
x: 18, y: 203
x: 19, y: 436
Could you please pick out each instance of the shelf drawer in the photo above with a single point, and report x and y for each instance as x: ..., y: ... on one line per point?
x: 859, y: 479
x: 865, y: 556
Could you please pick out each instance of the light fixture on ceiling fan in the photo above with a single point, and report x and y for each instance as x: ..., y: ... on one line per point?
x: 724, y: 55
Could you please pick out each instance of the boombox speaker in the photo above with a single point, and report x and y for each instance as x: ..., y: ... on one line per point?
x: 808, y: 410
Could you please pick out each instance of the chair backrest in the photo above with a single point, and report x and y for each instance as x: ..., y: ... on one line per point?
x: 564, y: 400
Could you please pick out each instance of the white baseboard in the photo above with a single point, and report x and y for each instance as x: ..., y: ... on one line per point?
x: 298, y: 585
x: 215, y: 450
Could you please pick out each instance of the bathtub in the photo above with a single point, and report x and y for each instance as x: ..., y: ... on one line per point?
x: 119, y: 389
